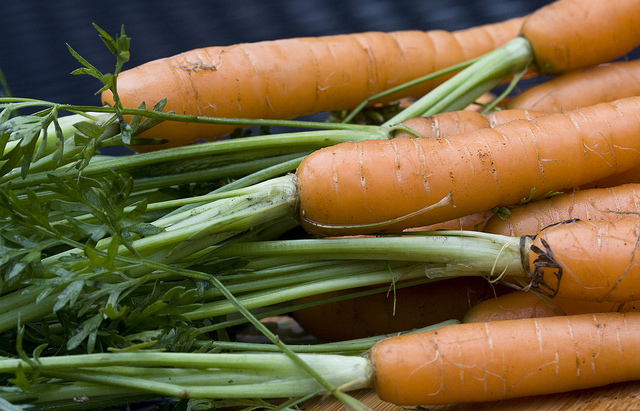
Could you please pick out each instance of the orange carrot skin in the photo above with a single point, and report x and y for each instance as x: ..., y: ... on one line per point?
x: 347, y: 186
x: 584, y: 87
x: 443, y: 125
x: 612, y: 204
x: 451, y: 123
x: 490, y: 361
x: 472, y: 222
x: 591, y: 32
x: 524, y: 304
x: 599, y: 261
x: 289, y: 78
x: 626, y: 177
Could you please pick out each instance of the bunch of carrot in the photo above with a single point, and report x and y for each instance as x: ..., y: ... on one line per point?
x: 548, y: 182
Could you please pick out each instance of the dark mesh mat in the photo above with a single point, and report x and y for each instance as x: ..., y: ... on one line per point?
x: 34, y: 33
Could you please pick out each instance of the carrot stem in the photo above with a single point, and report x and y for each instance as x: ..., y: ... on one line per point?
x: 404, y: 86
x: 465, y: 87
x: 354, y: 347
x: 280, y: 144
x: 267, y: 375
x: 479, y: 249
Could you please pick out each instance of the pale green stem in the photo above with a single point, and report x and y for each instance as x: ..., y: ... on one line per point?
x: 405, y: 86
x: 474, y: 249
x: 258, y: 299
x: 285, y: 377
x: 465, y: 87
x: 355, y: 346
x: 280, y: 144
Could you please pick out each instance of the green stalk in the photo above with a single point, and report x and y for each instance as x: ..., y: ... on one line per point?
x: 250, y: 172
x: 187, y: 232
x: 436, y: 256
x: 356, y: 279
x: 264, y: 174
x: 405, y: 86
x: 353, y: 347
x: 305, y: 275
x: 186, y: 118
x: 75, y: 396
x: 465, y: 87
x: 288, y: 307
x: 173, y: 160
x: 477, y: 250
x: 22, y: 103
x: 265, y: 375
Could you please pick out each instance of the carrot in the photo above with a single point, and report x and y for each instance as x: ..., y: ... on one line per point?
x: 524, y: 304
x: 594, y: 31
x: 506, y: 359
x: 585, y: 87
x: 472, y: 222
x: 626, y: 177
x: 613, y: 203
x: 356, y: 187
x: 587, y: 260
x: 562, y: 36
x: 293, y: 77
x: 393, y: 310
x: 444, y: 125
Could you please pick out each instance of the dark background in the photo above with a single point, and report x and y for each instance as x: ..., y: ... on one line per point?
x: 34, y: 33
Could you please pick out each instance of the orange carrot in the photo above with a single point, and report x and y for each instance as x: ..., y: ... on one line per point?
x: 626, y: 177
x: 505, y: 359
x: 288, y: 78
x: 524, y: 304
x: 472, y: 222
x: 614, y: 203
x: 443, y: 125
x: 385, y: 185
x: 585, y: 87
x: 592, y: 32
x: 588, y: 260
x: 393, y: 310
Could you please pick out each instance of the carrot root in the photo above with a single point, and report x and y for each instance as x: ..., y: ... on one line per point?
x: 506, y: 359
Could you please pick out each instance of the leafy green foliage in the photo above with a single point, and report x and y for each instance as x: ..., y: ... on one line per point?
x: 27, y: 132
x: 118, y: 46
x: 72, y: 277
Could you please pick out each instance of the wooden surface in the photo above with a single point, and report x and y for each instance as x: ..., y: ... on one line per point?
x: 624, y: 397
